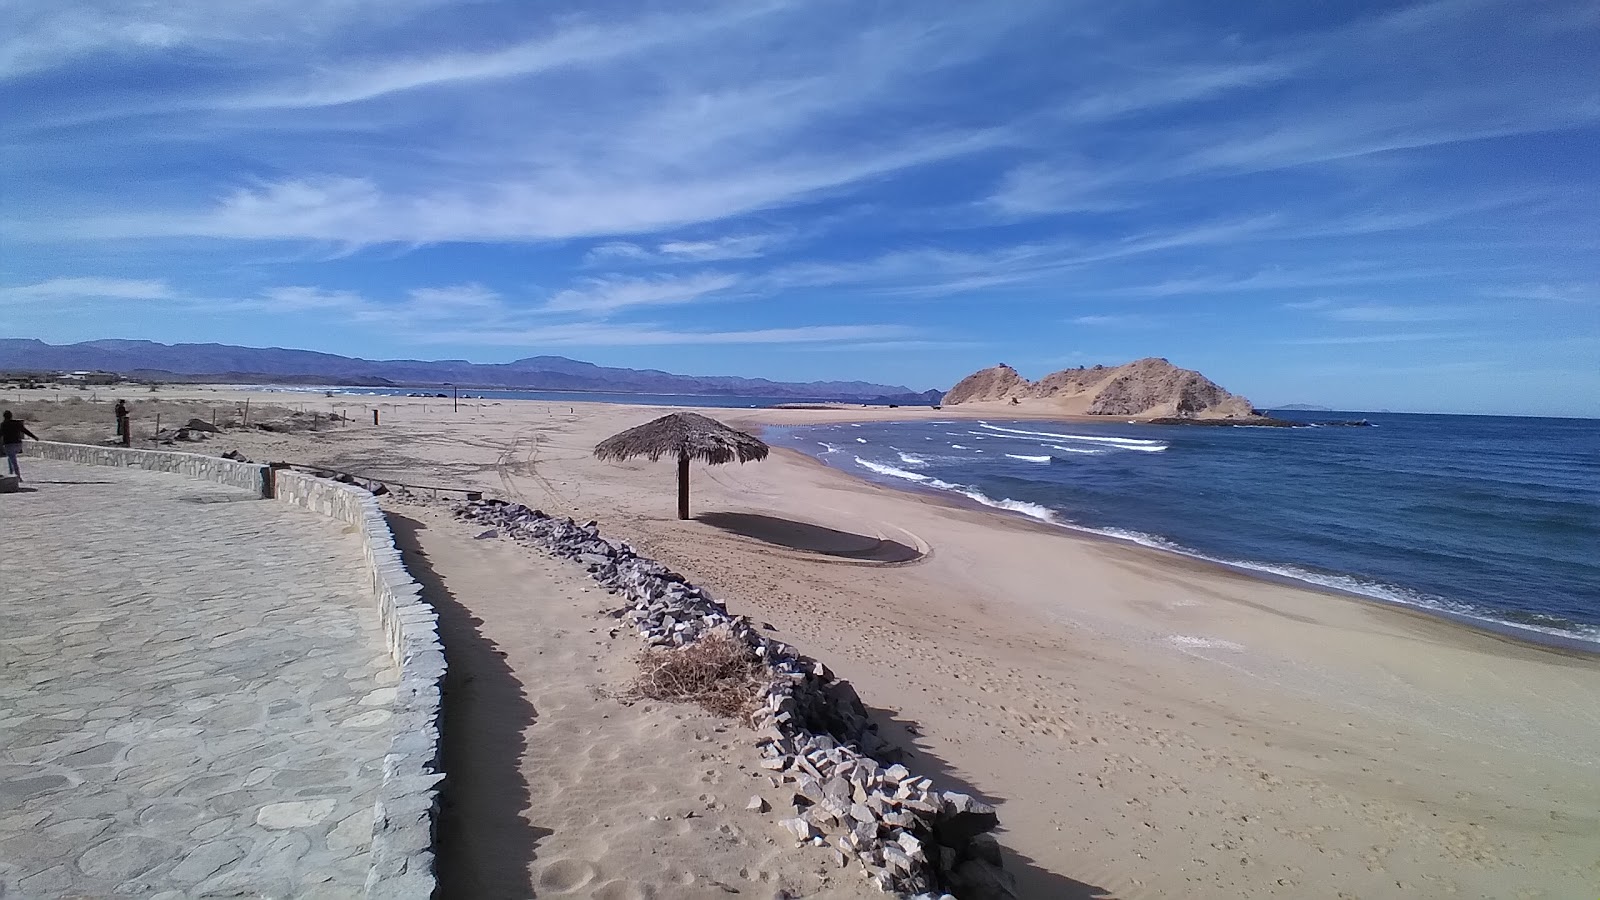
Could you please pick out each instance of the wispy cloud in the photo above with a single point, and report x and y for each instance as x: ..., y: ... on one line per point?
x: 1128, y: 320
x: 731, y: 247
x: 574, y: 45
x: 86, y: 288
x: 602, y: 296
x: 1378, y: 312
x: 471, y: 313
x: 45, y: 34
x: 584, y: 201
x: 1572, y: 292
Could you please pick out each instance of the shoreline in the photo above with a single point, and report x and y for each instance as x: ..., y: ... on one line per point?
x: 1525, y: 635
x: 1148, y: 724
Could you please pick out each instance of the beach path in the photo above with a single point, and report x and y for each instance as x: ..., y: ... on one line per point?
x: 193, y: 691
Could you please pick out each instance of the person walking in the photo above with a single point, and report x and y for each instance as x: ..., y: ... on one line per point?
x: 12, y: 431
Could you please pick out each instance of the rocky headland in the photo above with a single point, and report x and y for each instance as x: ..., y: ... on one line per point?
x: 1146, y: 388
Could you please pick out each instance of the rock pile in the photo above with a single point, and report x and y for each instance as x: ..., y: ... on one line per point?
x: 814, y: 733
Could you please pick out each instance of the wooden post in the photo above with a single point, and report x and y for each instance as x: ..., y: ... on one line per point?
x: 247, y: 412
x: 683, y: 485
x: 158, y: 425
x: 374, y: 415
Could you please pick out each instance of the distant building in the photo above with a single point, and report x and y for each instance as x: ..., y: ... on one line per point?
x: 89, y: 378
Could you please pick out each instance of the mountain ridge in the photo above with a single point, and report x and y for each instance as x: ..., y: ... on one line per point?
x: 151, y: 358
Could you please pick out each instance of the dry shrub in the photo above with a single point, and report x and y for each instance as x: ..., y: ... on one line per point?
x: 719, y: 672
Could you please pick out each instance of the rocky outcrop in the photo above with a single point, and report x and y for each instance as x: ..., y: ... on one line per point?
x: 1147, y: 387
x: 999, y: 383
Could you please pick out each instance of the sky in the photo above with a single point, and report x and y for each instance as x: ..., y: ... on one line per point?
x: 1358, y: 205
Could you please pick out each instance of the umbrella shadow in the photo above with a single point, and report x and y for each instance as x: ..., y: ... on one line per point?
x: 1034, y: 880
x: 485, y: 844
x: 806, y: 537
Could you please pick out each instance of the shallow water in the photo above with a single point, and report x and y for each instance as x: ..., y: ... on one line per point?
x: 1492, y: 518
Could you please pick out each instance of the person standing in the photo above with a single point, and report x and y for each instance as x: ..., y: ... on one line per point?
x: 124, y: 433
x: 12, y: 431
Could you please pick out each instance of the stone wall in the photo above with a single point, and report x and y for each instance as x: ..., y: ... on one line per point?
x: 249, y: 476
x: 407, y: 807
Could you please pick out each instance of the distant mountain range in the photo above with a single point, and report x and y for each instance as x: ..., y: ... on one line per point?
x: 1305, y: 407
x: 225, y: 363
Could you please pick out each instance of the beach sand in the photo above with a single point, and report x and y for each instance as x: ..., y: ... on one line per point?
x: 1148, y: 725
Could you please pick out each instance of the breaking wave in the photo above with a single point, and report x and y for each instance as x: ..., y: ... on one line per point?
x: 891, y: 471
x: 1127, y: 443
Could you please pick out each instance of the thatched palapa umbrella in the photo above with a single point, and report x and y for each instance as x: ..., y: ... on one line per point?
x: 686, y: 436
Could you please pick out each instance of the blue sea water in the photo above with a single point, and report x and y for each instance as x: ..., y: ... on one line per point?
x: 1493, y: 519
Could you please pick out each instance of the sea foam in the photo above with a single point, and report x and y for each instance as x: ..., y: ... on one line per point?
x: 1129, y: 443
x: 891, y: 471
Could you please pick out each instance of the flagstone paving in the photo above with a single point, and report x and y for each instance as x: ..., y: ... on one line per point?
x: 193, y: 692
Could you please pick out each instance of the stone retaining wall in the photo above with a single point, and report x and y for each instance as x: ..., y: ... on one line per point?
x: 249, y: 476
x: 407, y: 807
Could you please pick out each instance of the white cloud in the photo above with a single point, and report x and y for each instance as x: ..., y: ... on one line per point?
x: 77, y: 289
x: 731, y: 247
x: 45, y: 34
x: 584, y: 200
x: 602, y: 296
x: 573, y: 45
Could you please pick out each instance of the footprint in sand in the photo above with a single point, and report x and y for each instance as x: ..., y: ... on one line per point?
x: 564, y: 876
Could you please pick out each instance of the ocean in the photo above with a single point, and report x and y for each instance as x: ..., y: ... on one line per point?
x: 1494, y: 521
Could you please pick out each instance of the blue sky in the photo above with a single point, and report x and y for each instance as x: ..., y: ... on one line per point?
x: 1360, y: 205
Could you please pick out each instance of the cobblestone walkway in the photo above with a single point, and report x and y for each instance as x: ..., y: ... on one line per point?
x: 193, y: 692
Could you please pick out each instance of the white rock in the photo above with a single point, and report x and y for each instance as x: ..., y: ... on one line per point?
x: 800, y: 828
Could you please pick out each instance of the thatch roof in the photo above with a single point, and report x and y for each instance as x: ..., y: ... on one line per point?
x: 683, y: 434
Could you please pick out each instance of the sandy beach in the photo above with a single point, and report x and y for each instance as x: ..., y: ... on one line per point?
x: 1147, y: 725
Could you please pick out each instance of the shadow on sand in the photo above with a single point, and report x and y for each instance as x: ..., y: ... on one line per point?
x: 808, y: 538
x: 1034, y: 882
x: 485, y: 844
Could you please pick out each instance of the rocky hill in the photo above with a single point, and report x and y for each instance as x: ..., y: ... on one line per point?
x: 1144, y: 388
